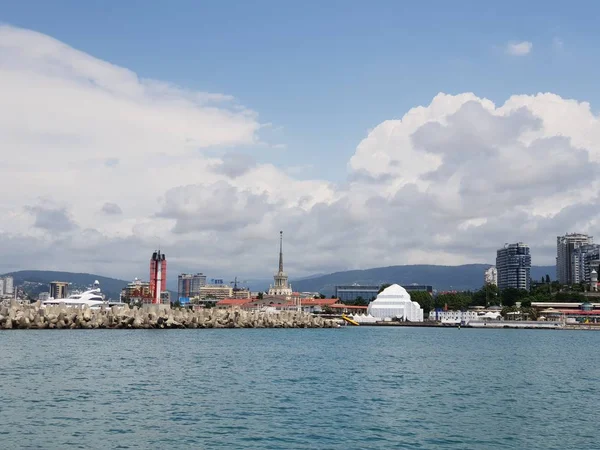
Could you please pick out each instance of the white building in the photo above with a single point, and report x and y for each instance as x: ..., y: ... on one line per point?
x: 2, y: 286
x: 453, y: 316
x: 9, y: 285
x: 281, y: 286
x: 463, y: 317
x: 490, y: 276
x: 565, y: 248
x: 395, y: 302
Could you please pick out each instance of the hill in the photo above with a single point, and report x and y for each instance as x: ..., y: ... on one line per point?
x: 442, y: 278
x: 36, y: 281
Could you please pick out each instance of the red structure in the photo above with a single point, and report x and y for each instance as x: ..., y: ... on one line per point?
x: 158, y: 275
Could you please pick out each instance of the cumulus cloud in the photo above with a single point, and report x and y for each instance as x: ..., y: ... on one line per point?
x: 519, y: 48
x: 234, y: 164
x: 51, y: 219
x: 448, y: 183
x: 219, y: 206
x: 111, y: 209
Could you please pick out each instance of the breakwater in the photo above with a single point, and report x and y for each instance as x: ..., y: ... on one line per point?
x: 33, y: 316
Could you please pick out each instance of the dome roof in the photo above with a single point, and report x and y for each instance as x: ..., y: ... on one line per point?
x: 394, y: 301
x: 395, y: 290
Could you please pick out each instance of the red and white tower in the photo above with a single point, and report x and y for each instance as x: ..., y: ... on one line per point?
x: 158, y: 275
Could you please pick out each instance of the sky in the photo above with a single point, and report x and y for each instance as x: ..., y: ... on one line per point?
x: 371, y: 133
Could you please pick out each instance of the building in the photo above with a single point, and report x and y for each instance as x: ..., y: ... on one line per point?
x: 454, y: 317
x: 241, y: 293
x: 158, y: 275
x: 584, y: 259
x: 565, y: 247
x: 137, y: 292
x: 395, y: 303
x: 2, y: 291
x: 188, y: 286
x: 43, y: 296
x: 419, y: 288
x: 490, y: 276
x: 281, y: 285
x: 9, y: 287
x: 513, y: 263
x: 350, y: 293
x: 216, y: 292
x: 59, y: 289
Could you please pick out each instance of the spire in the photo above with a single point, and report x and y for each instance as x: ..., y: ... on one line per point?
x: 281, y: 251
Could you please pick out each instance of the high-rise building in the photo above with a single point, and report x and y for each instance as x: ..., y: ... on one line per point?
x: 513, y: 264
x: 490, y: 276
x: 188, y: 285
x: 158, y: 275
x: 59, y: 289
x: 2, y: 291
x: 281, y: 286
x: 584, y: 260
x: 565, y: 246
x: 9, y: 288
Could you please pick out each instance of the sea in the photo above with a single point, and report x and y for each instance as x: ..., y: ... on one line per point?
x: 346, y: 388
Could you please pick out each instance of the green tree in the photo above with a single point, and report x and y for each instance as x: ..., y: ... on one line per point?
x: 510, y: 296
x: 260, y: 296
x: 424, y: 299
x: 487, y: 295
x: 322, y: 296
x: 547, y: 278
x: 454, y: 301
x: 359, y: 301
x: 568, y: 297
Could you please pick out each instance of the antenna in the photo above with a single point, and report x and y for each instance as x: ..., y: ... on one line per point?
x: 281, y: 251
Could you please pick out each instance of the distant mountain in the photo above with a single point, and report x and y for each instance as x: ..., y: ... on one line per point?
x: 36, y: 281
x: 442, y: 278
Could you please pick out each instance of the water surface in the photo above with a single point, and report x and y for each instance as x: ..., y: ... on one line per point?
x: 377, y: 388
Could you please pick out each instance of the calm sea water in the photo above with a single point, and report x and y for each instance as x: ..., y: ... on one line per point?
x: 376, y: 388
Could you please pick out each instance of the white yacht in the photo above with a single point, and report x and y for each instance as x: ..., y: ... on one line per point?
x: 92, y: 298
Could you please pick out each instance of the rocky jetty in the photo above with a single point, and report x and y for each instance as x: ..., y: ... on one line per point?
x: 33, y: 316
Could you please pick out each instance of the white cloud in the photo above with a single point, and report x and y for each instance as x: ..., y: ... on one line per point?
x: 519, y: 48
x: 117, y: 161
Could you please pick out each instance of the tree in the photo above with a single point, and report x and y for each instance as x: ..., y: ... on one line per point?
x: 547, y: 278
x: 424, y: 299
x: 322, y: 296
x: 487, y: 295
x: 454, y: 301
x: 359, y: 301
x: 510, y: 296
x: 260, y: 296
x: 569, y: 297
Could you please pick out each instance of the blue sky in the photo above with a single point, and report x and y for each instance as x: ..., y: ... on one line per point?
x: 324, y: 73
x: 311, y: 144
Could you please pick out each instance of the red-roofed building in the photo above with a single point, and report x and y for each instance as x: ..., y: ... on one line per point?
x: 354, y: 309
x: 227, y: 303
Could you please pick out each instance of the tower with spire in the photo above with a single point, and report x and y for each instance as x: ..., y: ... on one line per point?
x: 281, y: 286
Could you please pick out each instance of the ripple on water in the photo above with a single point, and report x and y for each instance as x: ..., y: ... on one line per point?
x: 267, y: 389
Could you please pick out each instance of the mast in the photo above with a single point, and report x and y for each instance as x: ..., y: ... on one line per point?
x: 280, y: 251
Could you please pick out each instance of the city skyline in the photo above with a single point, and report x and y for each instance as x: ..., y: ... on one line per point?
x: 363, y: 151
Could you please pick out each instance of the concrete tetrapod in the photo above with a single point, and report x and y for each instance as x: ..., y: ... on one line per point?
x: 33, y: 316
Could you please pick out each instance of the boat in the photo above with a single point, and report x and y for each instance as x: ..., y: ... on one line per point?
x: 93, y: 297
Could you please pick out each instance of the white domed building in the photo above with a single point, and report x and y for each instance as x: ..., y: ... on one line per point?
x: 394, y: 302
